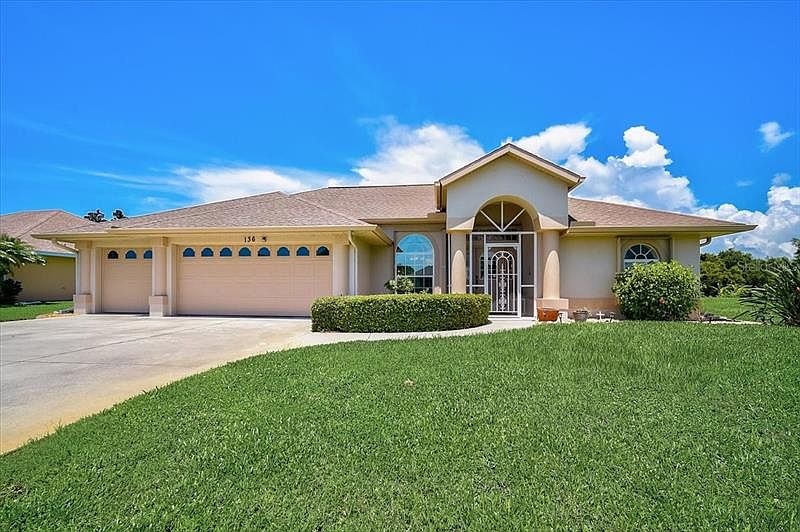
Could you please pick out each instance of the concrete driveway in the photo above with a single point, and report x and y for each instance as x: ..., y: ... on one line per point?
x: 54, y: 371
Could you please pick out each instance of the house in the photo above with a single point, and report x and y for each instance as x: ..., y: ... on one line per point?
x: 55, y: 280
x: 503, y: 224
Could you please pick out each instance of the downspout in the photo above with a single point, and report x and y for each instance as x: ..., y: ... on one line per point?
x: 706, y: 241
x: 354, y: 269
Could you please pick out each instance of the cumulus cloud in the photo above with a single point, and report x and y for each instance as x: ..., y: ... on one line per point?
x: 556, y: 143
x: 221, y: 183
x: 416, y: 154
x: 776, y: 227
x: 640, y: 176
x: 781, y: 179
x: 772, y: 135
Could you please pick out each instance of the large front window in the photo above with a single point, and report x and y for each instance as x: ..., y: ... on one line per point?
x: 414, y: 259
x: 639, y: 254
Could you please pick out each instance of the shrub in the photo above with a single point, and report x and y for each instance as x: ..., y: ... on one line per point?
x: 401, y: 285
x: 778, y: 301
x: 400, y: 313
x: 9, y: 290
x: 659, y: 291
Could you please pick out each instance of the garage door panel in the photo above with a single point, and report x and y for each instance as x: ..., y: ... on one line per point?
x: 260, y: 286
x: 126, y: 284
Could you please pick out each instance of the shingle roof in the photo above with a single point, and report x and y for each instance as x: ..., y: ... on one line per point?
x: 398, y: 202
x: 22, y: 224
x: 605, y: 214
x: 274, y: 209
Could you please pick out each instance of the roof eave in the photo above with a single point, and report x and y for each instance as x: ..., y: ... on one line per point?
x: 702, y: 230
x: 122, y: 231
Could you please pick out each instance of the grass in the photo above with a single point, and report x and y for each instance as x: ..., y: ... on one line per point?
x: 29, y: 312
x: 729, y: 307
x: 608, y: 426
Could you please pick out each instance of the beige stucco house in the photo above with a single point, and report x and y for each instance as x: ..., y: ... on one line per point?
x: 55, y: 280
x: 503, y: 225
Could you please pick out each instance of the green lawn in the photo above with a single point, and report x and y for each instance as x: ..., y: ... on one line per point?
x: 28, y: 312
x: 728, y: 307
x: 609, y: 426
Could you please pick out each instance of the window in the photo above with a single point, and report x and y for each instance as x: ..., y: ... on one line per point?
x: 244, y: 252
x: 323, y: 251
x: 148, y: 254
x: 225, y: 252
x: 263, y: 252
x: 283, y: 251
x: 207, y: 252
x: 639, y: 254
x: 188, y: 252
x: 302, y: 251
x: 112, y: 255
x: 414, y: 259
x: 130, y: 254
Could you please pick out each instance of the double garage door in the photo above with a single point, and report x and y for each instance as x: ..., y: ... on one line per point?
x: 283, y: 281
x: 223, y: 280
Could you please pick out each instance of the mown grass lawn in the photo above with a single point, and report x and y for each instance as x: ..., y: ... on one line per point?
x: 29, y: 312
x: 729, y: 307
x: 624, y: 425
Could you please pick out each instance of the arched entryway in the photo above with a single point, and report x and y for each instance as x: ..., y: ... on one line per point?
x: 501, y: 257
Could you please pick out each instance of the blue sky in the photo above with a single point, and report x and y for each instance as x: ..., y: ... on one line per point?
x: 147, y: 107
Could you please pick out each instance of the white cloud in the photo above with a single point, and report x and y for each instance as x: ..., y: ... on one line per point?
x: 744, y: 183
x: 220, y: 183
x: 781, y: 179
x: 772, y: 135
x: 776, y: 227
x: 416, y: 155
x: 556, y: 143
x: 639, y: 176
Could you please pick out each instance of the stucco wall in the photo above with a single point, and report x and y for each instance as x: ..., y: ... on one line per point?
x: 54, y: 281
x: 588, y: 266
x: 686, y: 250
x: 510, y: 178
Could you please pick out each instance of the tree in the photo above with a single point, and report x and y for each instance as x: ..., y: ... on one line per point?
x: 118, y: 214
x: 13, y: 254
x: 796, y: 244
x: 96, y: 216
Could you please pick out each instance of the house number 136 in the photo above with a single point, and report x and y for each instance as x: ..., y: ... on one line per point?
x: 249, y: 239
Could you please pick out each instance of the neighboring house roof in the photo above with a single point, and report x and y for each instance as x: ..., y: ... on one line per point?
x: 26, y: 223
x: 540, y: 163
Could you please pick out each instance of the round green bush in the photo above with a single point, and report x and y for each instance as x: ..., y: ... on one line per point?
x: 659, y: 291
x: 400, y: 313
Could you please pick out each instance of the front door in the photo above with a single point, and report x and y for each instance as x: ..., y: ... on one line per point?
x: 502, y: 278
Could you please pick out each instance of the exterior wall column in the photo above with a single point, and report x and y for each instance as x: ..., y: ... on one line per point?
x: 96, y: 280
x: 171, y: 251
x: 458, y: 263
x: 159, y: 301
x: 82, y: 299
x: 551, y: 271
x: 341, y: 268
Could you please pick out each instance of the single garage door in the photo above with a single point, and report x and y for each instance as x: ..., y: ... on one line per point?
x: 252, y: 281
x: 126, y: 278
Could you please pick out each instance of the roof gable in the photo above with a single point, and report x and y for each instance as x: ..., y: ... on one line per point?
x: 23, y: 224
x: 548, y: 167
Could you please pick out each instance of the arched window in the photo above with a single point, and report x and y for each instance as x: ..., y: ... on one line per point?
x: 188, y: 252
x: 283, y: 251
x: 323, y: 251
x: 639, y: 254
x: 263, y: 252
x: 302, y: 251
x: 225, y: 252
x: 245, y: 252
x: 130, y: 254
x: 207, y: 252
x: 414, y: 259
x: 112, y: 255
x: 148, y: 254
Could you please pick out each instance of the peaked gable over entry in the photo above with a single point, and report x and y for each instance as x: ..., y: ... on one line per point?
x: 512, y: 174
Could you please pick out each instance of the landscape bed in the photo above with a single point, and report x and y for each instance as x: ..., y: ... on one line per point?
x: 610, y: 426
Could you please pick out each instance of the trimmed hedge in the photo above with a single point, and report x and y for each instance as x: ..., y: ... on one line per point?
x: 400, y: 312
x: 663, y: 291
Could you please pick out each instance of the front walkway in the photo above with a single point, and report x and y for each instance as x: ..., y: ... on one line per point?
x: 54, y: 371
